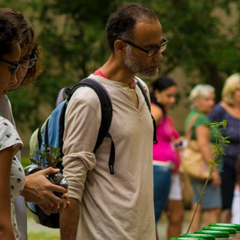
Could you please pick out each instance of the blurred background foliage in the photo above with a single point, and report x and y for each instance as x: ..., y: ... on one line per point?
x: 204, y: 41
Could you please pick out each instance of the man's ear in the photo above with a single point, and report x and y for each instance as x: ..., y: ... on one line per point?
x: 119, y: 46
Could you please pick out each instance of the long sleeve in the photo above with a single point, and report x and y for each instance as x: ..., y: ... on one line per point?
x: 81, y: 131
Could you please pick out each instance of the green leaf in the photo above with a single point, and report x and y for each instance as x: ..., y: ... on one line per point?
x: 211, y: 163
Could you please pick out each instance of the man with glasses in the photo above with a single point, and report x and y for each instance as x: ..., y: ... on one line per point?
x: 115, y: 206
x: 151, y: 51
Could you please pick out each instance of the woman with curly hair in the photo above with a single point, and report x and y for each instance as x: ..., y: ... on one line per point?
x: 37, y: 188
x: 11, y: 172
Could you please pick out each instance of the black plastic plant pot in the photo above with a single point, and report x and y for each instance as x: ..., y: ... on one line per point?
x: 39, y: 216
x: 60, y: 180
x: 51, y: 221
x: 31, y: 169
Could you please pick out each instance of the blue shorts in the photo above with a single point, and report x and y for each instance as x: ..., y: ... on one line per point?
x: 210, y: 199
x: 162, y: 183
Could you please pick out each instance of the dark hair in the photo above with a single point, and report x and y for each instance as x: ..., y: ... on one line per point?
x: 161, y: 83
x: 9, y: 36
x: 27, y: 39
x: 121, y: 23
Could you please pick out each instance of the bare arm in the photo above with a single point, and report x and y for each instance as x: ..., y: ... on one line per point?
x: 157, y: 113
x: 6, y: 232
x: 203, y: 140
x: 69, y: 220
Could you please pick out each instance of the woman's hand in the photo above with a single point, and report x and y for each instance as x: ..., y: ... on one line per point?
x: 180, y: 143
x: 38, y: 189
x: 65, y: 204
x: 56, y: 208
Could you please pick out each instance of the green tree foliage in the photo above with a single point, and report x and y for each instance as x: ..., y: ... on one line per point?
x: 72, y: 36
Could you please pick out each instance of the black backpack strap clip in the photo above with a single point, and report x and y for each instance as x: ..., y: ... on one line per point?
x: 112, y: 155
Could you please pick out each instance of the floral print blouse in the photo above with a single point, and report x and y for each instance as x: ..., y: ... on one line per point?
x: 9, y: 137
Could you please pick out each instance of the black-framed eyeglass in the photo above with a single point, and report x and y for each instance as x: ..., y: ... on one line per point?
x: 152, y: 50
x: 14, y: 66
x: 28, y: 62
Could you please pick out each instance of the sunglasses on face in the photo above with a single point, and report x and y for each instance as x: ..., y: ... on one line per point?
x: 152, y: 50
x: 13, y: 68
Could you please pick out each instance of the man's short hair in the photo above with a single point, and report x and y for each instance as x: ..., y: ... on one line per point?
x: 121, y: 23
x: 9, y: 35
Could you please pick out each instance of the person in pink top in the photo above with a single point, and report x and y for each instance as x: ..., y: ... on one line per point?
x: 167, y: 188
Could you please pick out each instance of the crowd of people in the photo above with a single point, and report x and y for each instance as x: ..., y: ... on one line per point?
x: 147, y: 180
x: 217, y: 200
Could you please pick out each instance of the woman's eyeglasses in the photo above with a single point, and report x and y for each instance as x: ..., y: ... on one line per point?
x: 13, y: 68
x: 26, y: 64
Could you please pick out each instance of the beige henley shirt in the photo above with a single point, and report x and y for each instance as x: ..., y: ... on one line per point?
x: 119, y: 206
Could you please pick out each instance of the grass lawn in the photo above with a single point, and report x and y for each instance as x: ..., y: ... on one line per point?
x: 39, y: 232
x: 42, y: 236
x: 35, y: 230
x: 25, y: 161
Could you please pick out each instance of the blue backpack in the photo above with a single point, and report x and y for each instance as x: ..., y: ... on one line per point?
x: 50, y: 135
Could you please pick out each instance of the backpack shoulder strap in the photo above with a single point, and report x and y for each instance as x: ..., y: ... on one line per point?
x: 106, y: 110
x: 62, y: 95
x: 155, y: 141
x: 106, y: 107
x: 144, y: 94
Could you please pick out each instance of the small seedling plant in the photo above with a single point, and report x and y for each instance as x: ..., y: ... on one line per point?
x: 51, y: 157
x: 218, y: 151
x: 48, y: 158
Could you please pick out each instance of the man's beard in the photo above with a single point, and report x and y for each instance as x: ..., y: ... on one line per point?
x: 135, y: 65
